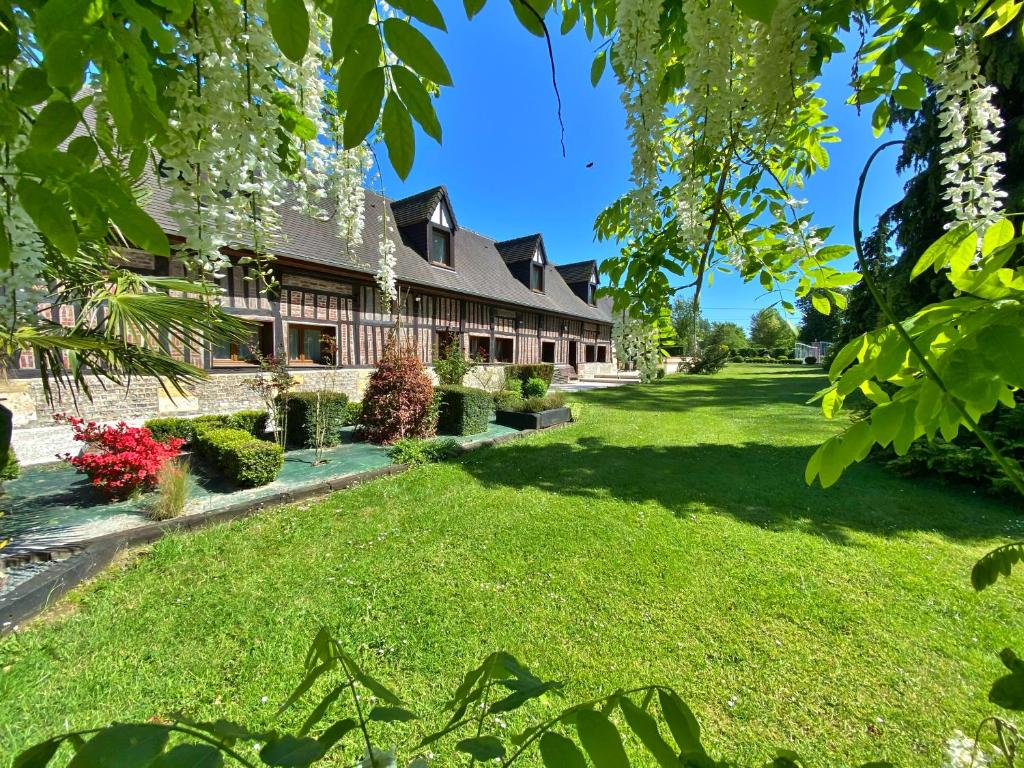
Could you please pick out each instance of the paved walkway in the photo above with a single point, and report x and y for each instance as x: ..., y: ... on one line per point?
x: 585, y: 386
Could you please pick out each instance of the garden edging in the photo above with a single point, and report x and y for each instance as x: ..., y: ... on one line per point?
x: 72, y: 564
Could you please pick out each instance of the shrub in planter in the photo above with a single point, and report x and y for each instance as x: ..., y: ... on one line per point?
x: 463, y: 410
x: 546, y: 403
x: 524, y: 373
x: 245, y: 460
x: 514, y: 386
x: 316, y: 417
x: 508, y: 400
x: 810, y: 359
x: 399, y: 398
x: 119, y: 460
x: 534, y: 387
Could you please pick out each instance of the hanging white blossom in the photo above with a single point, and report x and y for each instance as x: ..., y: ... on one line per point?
x: 969, y: 123
x: 386, y: 279
x: 639, y: 344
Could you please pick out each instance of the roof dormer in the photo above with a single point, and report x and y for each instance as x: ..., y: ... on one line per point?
x: 526, y: 259
x: 427, y: 225
x: 581, y: 277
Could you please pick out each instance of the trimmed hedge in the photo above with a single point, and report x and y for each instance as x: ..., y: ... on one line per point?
x: 508, y: 400
x: 464, y: 410
x: 253, y: 422
x: 240, y: 457
x: 302, y: 417
x: 524, y: 373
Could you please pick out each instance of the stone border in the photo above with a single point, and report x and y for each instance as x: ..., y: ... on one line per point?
x: 73, y: 563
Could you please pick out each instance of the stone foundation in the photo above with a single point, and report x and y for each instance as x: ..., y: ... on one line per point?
x: 38, y: 440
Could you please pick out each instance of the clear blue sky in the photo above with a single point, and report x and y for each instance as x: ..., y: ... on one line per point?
x: 502, y: 163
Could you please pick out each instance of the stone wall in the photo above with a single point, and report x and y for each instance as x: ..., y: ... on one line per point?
x: 38, y: 440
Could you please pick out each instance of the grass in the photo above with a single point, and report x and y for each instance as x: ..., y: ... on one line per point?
x: 668, y: 537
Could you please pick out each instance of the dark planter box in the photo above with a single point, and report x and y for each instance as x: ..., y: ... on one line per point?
x: 538, y: 420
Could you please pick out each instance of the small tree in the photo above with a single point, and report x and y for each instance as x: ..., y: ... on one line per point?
x: 273, y: 384
x: 452, y: 365
x: 399, y: 397
x: 768, y: 330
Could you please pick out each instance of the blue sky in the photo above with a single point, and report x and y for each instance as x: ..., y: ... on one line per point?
x: 502, y: 163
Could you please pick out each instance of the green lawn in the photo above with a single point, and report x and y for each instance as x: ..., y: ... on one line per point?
x: 668, y: 537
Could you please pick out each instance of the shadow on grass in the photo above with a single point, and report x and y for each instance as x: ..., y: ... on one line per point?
x: 758, y: 484
x: 687, y: 392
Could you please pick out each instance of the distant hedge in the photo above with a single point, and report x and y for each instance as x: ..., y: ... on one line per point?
x: 253, y: 422
x: 302, y: 407
x: 463, y: 410
x: 524, y: 373
x: 240, y: 457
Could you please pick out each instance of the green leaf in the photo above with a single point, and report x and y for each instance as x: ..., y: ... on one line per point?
x: 364, y: 54
x: 523, y: 691
x: 415, y: 50
x: 31, y: 87
x: 600, y: 739
x: 398, y: 135
x: 337, y: 732
x: 53, y: 124
x: 122, y: 746
x: 65, y: 61
x: 417, y: 100
x: 482, y: 747
x: 190, y: 756
x: 422, y: 10
x: 292, y: 751
x: 822, y: 304
x: 559, y: 752
x: 880, y: 118
x: 50, y: 215
x: 347, y: 18
x: 759, y: 10
x: 391, y: 715
x: 996, y: 236
x: 364, y: 108
x: 527, y: 17
x: 139, y: 227
x: 684, y: 726
x: 598, y: 66
x: 942, y: 251
x: 289, y: 23
x: 473, y: 7
x: 646, y: 729
x: 38, y: 756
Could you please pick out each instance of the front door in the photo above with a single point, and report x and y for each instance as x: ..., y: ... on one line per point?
x: 572, y: 355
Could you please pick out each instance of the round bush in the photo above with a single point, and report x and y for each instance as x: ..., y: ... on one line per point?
x: 810, y: 359
x: 534, y: 387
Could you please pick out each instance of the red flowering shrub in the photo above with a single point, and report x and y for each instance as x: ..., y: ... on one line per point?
x: 399, y: 398
x: 119, y: 460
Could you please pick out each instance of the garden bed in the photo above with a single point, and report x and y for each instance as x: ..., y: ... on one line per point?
x: 533, y: 419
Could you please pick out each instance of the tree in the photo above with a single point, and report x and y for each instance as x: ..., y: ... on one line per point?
x: 768, y: 330
x: 729, y: 335
x: 690, y: 326
x: 815, y: 326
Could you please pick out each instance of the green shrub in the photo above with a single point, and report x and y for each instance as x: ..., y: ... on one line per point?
x: 354, y: 412
x: 254, y: 422
x: 463, y: 410
x: 710, y: 359
x: 534, y: 387
x: 303, y: 418
x: 240, y: 457
x: 790, y: 361
x: 171, y: 426
x: 11, y: 467
x: 414, y: 451
x: 451, y: 364
x: 524, y: 373
x: 546, y: 403
x: 810, y: 359
x: 514, y: 386
x: 508, y: 400
x: 782, y: 352
x: 746, y: 352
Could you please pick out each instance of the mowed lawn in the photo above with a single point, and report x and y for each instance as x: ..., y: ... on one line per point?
x: 668, y: 537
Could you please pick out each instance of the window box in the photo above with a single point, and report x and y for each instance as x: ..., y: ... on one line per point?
x: 537, y: 420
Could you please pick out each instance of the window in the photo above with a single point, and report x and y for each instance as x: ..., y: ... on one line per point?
x: 602, y: 354
x: 503, y: 350
x: 547, y: 352
x: 537, y: 277
x: 315, y: 344
x: 590, y: 293
x: 444, y: 340
x: 480, y: 348
x: 261, y: 341
x: 590, y: 352
x: 440, y: 247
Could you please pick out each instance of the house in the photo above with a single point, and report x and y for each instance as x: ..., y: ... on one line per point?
x: 503, y: 300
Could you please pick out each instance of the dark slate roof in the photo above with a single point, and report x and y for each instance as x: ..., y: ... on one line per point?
x: 578, y: 271
x: 519, y: 249
x: 480, y: 269
x: 419, y: 207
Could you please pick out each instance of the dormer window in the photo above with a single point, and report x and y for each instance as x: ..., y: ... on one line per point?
x: 440, y: 247
x: 537, y: 272
x: 591, y: 287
